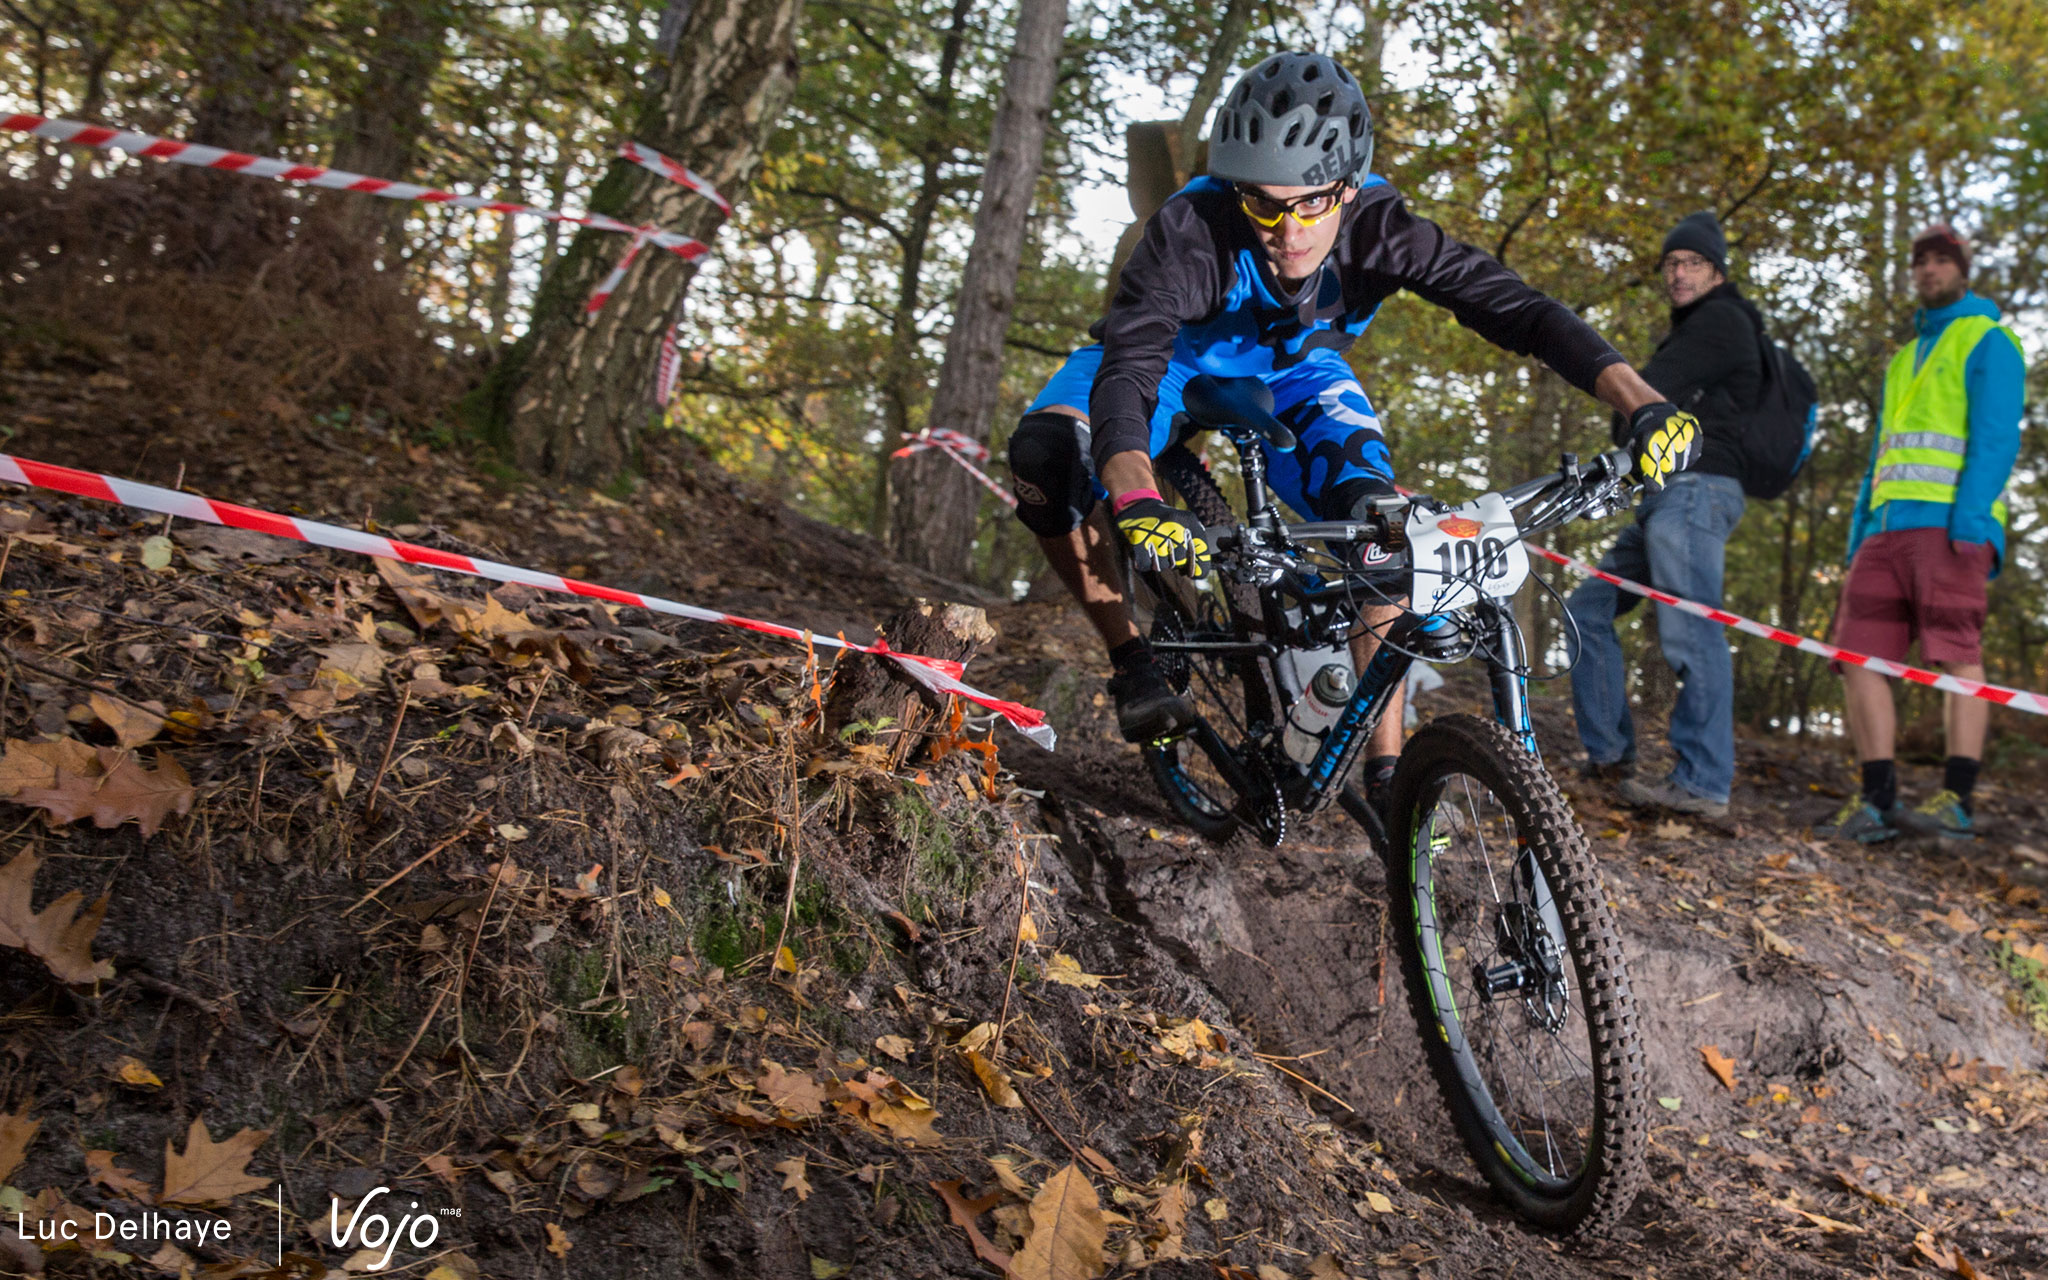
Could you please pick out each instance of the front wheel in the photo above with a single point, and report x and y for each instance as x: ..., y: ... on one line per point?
x: 1515, y: 975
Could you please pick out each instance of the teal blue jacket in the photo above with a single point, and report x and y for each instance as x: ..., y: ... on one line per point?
x: 1995, y: 376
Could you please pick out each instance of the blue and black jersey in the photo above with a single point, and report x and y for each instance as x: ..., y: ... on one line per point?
x: 1197, y: 294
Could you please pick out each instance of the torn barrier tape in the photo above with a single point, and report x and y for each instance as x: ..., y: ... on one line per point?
x: 2018, y: 699
x: 666, y: 368
x: 655, y: 162
x: 957, y: 447
x: 937, y: 674
x: 313, y: 175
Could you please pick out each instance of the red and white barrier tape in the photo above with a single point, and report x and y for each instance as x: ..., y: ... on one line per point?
x: 960, y: 448
x: 668, y: 366
x: 655, y: 162
x: 938, y: 674
x: 192, y: 153
x: 2018, y: 699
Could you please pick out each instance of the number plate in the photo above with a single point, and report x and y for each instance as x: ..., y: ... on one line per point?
x: 1475, y: 545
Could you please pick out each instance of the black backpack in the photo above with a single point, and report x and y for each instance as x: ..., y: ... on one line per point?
x: 1779, y: 435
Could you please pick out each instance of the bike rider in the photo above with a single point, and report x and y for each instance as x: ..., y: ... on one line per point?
x: 1270, y: 267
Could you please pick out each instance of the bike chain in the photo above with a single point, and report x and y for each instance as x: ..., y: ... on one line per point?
x: 1267, y: 816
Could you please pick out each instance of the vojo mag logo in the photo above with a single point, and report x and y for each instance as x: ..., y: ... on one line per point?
x: 374, y: 1230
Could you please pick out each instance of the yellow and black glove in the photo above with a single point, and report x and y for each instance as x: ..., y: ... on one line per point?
x: 1163, y: 537
x: 1663, y: 440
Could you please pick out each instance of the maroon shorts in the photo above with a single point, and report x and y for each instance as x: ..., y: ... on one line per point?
x: 1908, y: 585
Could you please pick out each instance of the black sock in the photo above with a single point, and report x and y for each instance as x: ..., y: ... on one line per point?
x: 1130, y: 653
x: 1881, y: 784
x: 1380, y: 768
x: 1960, y: 776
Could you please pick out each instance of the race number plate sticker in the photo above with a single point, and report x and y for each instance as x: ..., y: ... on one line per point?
x: 1456, y: 555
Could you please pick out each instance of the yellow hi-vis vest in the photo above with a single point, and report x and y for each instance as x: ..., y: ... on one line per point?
x: 1925, y: 426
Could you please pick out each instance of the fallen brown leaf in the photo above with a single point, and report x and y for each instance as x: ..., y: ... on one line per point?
x: 209, y: 1172
x: 1066, y: 971
x: 559, y: 1242
x: 963, y: 1212
x: 118, y: 790
x: 59, y: 935
x: 795, y: 1177
x: 792, y: 1091
x: 36, y: 764
x: 1067, y: 1231
x: 16, y: 1132
x: 133, y: 725
x: 100, y: 1167
x: 993, y: 1081
x: 1719, y: 1063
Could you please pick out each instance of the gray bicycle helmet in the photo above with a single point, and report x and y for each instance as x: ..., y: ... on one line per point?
x: 1295, y: 120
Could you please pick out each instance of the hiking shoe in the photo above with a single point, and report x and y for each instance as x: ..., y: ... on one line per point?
x: 1669, y: 795
x: 1147, y: 708
x: 1941, y: 814
x: 1861, y: 821
x: 1612, y: 771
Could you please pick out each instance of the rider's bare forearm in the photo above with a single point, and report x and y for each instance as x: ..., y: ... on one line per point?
x: 1621, y: 388
x: 1123, y: 472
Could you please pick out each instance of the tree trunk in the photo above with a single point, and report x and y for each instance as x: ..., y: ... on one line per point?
x: 571, y: 399
x: 878, y: 693
x: 244, y: 71
x: 1229, y: 35
x: 380, y: 125
x: 934, y: 511
x: 900, y: 385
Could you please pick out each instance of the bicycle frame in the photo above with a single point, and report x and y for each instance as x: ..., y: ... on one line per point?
x: 1310, y: 791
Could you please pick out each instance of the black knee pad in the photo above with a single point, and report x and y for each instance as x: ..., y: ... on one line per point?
x: 1051, y: 472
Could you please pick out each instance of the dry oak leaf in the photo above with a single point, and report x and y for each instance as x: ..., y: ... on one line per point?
x: 119, y: 790
x: 103, y: 1170
x: 209, y: 1172
x: 1066, y: 971
x: 130, y: 1070
x: 897, y: 1047
x: 58, y: 936
x: 1192, y: 1039
x: 1719, y: 1063
x: 1000, y: 1090
x: 963, y: 1212
x: 1067, y: 1231
x: 1169, y: 1213
x: 36, y: 764
x: 791, y: 1091
x: 16, y: 1132
x: 795, y: 1177
x: 559, y: 1242
x: 133, y: 724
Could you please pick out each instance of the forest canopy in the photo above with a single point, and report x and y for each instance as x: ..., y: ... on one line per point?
x: 854, y: 136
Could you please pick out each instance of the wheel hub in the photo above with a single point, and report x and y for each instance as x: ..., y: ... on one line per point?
x: 1528, y: 964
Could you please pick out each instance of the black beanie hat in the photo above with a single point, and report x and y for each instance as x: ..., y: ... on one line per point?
x: 1700, y: 233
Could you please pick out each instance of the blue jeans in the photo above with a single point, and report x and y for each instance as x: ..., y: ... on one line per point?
x: 1677, y: 544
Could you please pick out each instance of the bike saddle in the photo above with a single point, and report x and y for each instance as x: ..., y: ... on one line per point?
x: 1235, y: 404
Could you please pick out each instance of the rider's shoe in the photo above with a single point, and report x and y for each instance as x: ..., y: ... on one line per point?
x: 1861, y: 821
x: 1147, y: 708
x: 1669, y: 795
x: 1941, y: 814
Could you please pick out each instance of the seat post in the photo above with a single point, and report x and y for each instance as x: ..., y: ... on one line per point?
x: 1258, y: 504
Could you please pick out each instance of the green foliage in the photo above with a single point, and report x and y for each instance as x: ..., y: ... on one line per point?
x: 2029, y: 996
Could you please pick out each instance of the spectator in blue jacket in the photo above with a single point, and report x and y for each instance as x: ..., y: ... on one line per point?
x: 1928, y: 533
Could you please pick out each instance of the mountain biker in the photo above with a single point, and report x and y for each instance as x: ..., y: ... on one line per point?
x: 1270, y: 267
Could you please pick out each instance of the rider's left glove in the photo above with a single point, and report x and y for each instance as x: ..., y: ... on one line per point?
x: 1163, y: 537
x: 1663, y: 440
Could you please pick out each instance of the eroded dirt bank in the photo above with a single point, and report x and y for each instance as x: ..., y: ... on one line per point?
x: 565, y: 1015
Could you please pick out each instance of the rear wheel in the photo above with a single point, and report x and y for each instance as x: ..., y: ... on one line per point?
x: 1515, y: 975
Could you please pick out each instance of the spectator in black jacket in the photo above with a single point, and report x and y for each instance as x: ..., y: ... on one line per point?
x: 1710, y: 364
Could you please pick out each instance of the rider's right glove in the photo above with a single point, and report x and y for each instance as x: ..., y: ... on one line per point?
x: 1663, y: 440
x: 1163, y: 537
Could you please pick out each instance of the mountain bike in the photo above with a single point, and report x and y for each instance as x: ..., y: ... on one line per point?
x: 1511, y: 957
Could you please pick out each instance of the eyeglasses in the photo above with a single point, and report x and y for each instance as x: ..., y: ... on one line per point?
x: 1684, y: 262
x: 1307, y: 210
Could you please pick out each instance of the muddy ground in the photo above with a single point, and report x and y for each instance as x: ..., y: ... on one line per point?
x: 625, y: 1073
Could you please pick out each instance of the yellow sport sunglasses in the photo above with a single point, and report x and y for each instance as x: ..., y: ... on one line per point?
x: 1307, y: 210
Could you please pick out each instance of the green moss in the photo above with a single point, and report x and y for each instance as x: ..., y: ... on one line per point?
x: 2029, y: 999
x: 725, y: 939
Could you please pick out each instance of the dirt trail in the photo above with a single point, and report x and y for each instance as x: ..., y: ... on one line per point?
x: 1884, y: 1086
